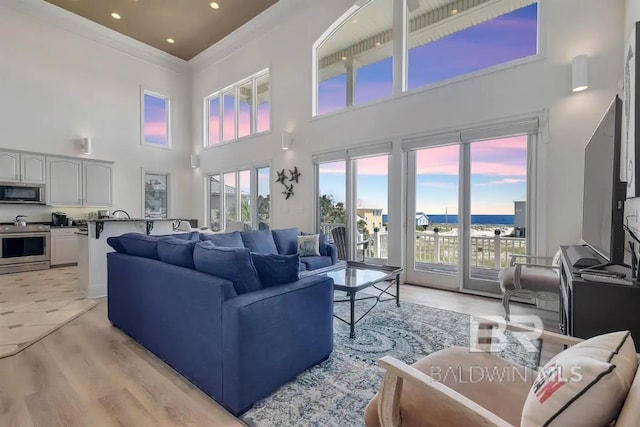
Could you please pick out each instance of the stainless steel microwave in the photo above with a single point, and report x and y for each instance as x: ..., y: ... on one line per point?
x: 14, y: 193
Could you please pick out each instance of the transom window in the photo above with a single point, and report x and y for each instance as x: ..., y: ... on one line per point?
x: 240, y: 110
x: 441, y: 40
x: 155, y: 119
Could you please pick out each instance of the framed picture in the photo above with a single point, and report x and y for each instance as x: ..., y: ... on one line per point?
x: 631, y: 114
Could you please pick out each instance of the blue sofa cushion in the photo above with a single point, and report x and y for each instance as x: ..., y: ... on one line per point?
x: 115, y: 243
x: 177, y: 251
x: 233, y: 264
x: 302, y: 266
x: 225, y: 240
x: 193, y: 235
x: 315, y: 262
x: 259, y: 241
x: 286, y: 240
x: 276, y: 269
x: 138, y: 244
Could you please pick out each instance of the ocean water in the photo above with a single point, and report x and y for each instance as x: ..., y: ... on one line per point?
x: 475, y: 219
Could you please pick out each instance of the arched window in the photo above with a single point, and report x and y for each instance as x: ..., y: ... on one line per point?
x: 438, y: 41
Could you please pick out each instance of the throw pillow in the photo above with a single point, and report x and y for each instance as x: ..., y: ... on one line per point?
x: 177, y: 251
x: 226, y: 240
x: 309, y: 245
x: 286, y: 240
x: 233, y: 264
x: 259, y: 241
x: 584, y: 385
x: 138, y: 244
x: 276, y: 269
x: 115, y: 243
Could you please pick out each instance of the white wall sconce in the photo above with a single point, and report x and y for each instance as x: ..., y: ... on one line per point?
x: 580, y: 73
x: 287, y: 140
x: 195, y: 161
x: 87, y: 145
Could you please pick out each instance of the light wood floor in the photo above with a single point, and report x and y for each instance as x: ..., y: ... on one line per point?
x: 88, y: 373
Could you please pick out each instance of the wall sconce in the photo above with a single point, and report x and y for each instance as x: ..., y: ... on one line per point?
x: 195, y: 160
x: 287, y: 140
x: 580, y: 73
x: 86, y: 145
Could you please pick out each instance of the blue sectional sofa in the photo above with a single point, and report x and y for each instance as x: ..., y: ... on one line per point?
x: 282, y: 242
x: 235, y: 331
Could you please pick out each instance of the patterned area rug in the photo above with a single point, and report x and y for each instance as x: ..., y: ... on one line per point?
x: 36, y: 303
x: 336, y: 392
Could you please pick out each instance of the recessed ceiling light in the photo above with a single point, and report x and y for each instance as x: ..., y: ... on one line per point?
x: 378, y: 43
x: 454, y: 11
x: 172, y: 41
x: 355, y: 21
x: 214, y: 5
x: 115, y: 15
x: 344, y: 58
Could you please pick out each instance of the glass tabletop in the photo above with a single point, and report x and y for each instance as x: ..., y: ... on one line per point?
x: 352, y: 277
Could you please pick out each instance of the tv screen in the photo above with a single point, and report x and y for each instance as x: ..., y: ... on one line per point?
x: 604, y: 194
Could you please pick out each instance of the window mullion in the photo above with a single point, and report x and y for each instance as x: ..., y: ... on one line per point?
x: 400, y: 35
x: 254, y: 106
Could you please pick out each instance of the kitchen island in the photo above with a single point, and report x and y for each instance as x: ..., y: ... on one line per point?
x: 93, y: 247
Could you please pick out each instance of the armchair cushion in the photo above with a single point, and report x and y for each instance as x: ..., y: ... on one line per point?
x: 476, y: 376
x: 233, y: 264
x: 535, y: 279
x: 585, y: 385
x: 315, y: 262
x: 138, y: 244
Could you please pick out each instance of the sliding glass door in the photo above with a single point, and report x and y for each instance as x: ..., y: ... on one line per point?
x: 467, y: 209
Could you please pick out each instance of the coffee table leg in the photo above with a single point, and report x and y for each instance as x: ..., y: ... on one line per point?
x: 397, y: 290
x: 352, y: 324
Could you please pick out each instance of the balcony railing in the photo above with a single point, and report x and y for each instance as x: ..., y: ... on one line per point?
x: 433, y: 247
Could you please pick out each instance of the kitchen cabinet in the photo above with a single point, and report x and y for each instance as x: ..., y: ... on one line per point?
x: 64, y: 179
x: 22, y: 167
x: 32, y: 169
x: 74, y: 182
x: 64, y: 246
x: 98, y: 180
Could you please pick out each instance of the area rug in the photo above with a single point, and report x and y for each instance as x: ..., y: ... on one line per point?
x: 36, y: 303
x: 336, y: 392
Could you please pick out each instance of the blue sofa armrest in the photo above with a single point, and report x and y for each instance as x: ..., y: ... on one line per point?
x: 272, y: 335
x: 172, y: 311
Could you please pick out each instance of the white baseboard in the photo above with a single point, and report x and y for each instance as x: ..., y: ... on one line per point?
x: 97, y: 291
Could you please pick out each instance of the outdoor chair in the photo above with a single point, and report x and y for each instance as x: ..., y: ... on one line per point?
x: 444, y: 388
x: 340, y: 239
x: 530, y: 279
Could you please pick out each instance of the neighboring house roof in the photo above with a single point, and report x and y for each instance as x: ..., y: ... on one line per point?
x: 214, y: 188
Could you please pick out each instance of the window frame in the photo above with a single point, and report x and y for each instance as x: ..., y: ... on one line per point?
x: 144, y: 174
x: 167, y: 99
x: 253, y: 196
x: 401, y: 63
x: 234, y: 88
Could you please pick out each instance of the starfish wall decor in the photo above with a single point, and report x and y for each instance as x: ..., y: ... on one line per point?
x: 283, y: 178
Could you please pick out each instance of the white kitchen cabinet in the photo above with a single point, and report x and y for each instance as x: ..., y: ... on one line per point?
x: 9, y: 166
x: 64, y: 182
x: 32, y: 169
x: 98, y: 181
x: 64, y: 246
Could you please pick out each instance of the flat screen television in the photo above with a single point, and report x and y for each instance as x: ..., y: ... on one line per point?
x: 604, y: 193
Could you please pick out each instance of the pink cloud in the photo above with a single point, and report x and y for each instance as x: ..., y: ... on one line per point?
x: 373, y: 166
x: 505, y: 181
x: 157, y: 129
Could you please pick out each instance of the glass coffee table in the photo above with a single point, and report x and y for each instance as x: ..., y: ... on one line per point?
x: 354, y: 277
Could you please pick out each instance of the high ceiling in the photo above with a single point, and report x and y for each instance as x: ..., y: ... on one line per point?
x: 194, y: 25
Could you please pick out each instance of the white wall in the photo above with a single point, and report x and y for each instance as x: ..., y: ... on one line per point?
x: 538, y: 85
x: 632, y: 14
x: 58, y: 86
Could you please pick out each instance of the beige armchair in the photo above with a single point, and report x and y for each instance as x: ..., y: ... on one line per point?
x: 409, y: 396
x: 528, y: 277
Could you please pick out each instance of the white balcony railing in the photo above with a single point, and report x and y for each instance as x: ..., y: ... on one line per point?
x: 433, y: 247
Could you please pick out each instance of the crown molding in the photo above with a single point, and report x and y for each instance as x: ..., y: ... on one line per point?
x: 70, y: 22
x: 251, y: 30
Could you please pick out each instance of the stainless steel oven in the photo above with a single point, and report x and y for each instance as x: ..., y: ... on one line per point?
x: 24, y: 248
x: 29, y: 194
